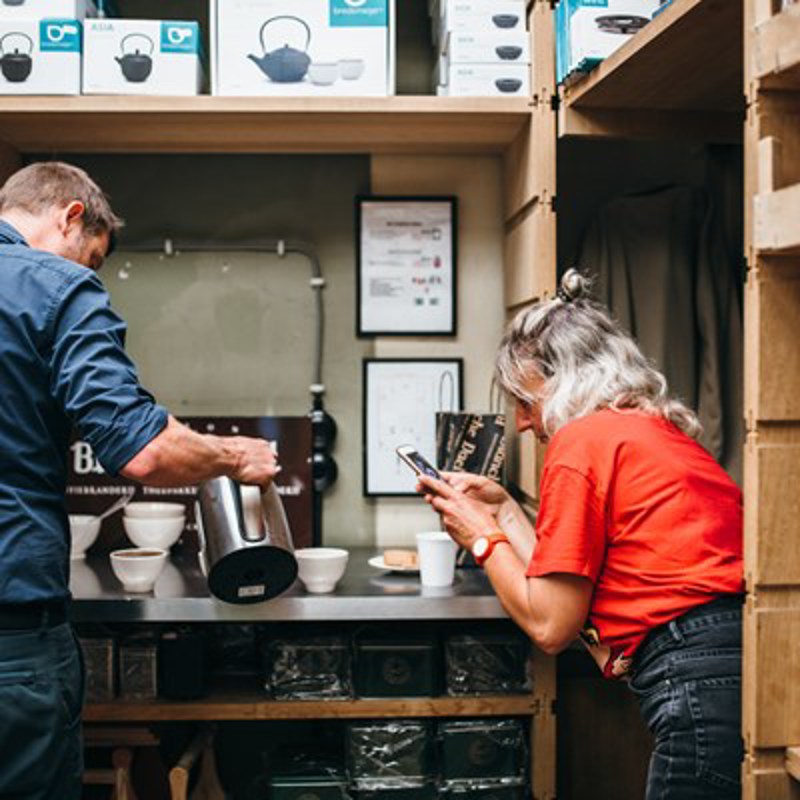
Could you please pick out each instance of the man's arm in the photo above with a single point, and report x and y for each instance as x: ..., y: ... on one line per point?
x: 178, y: 456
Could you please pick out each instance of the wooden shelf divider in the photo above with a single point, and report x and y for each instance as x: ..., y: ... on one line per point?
x: 793, y: 762
x: 776, y: 50
x: 120, y: 124
x: 238, y: 706
x: 776, y: 222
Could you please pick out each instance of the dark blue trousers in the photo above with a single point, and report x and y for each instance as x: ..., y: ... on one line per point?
x: 688, y: 678
x: 41, y: 695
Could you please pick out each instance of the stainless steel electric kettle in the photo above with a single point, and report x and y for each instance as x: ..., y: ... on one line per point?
x: 246, y: 558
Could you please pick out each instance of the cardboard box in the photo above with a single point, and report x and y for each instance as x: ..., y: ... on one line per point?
x: 484, y: 80
x: 331, y: 48
x: 589, y: 31
x: 479, y: 16
x: 141, y: 57
x: 46, y: 9
x: 497, y: 47
x: 40, y: 56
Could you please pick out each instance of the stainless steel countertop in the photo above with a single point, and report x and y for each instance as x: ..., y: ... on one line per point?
x: 364, y: 593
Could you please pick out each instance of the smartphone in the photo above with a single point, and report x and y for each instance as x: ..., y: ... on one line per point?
x: 418, y: 463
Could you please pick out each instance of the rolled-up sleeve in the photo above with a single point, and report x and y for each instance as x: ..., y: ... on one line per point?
x: 93, y: 378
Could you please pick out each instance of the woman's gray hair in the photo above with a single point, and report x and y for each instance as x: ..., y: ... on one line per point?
x: 586, y: 360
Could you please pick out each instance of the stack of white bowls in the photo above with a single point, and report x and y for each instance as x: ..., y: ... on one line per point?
x: 154, y: 525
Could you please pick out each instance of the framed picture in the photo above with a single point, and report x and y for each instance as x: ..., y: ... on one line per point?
x: 401, y: 398
x: 406, y: 257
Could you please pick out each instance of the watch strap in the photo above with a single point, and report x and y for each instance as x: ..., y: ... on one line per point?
x: 493, y: 540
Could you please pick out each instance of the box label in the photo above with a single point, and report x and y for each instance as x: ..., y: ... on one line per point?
x: 179, y: 37
x: 359, y: 13
x: 63, y: 36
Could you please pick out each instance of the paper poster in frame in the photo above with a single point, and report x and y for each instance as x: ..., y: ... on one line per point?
x: 401, y: 398
x: 406, y: 281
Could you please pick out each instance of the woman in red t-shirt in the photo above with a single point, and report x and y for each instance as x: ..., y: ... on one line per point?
x: 637, y: 548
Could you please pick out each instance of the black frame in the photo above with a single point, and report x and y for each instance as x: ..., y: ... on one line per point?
x: 459, y: 363
x: 452, y: 200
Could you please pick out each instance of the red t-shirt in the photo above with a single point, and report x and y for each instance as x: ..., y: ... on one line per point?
x: 632, y: 503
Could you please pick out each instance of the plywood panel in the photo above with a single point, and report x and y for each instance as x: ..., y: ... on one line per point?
x: 772, y: 355
x: 771, y: 698
x: 530, y: 256
x: 764, y: 777
x: 543, y: 63
x: 776, y: 219
x: 772, y: 507
x: 543, y: 728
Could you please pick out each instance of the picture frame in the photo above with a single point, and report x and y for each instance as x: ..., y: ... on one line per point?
x: 400, y: 399
x: 406, y: 263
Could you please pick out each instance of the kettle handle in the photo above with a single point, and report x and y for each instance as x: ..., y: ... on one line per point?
x: 284, y: 16
x: 16, y: 33
x: 139, y: 36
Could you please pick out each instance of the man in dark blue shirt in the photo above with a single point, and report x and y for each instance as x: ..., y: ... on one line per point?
x: 63, y: 366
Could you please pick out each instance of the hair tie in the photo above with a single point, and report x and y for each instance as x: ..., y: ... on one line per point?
x: 563, y: 295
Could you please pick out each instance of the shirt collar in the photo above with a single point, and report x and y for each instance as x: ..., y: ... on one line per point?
x: 10, y: 235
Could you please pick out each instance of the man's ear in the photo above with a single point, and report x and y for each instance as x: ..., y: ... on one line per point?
x: 72, y: 215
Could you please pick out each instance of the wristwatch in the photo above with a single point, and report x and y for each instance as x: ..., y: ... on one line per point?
x: 484, y: 546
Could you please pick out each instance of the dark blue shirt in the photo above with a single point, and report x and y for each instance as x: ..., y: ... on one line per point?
x: 62, y: 366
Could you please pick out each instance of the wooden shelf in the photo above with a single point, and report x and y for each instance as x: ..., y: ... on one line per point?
x: 776, y: 222
x: 252, y: 706
x: 776, y: 50
x: 261, y: 125
x: 681, y: 75
x: 793, y: 762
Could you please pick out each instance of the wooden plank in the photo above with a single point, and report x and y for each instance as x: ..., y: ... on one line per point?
x: 644, y: 123
x: 543, y: 45
x: 770, y: 165
x: 543, y: 728
x: 121, y: 124
x: 776, y: 222
x: 772, y: 357
x: 243, y: 707
x: 793, y: 762
x: 666, y: 65
x: 764, y: 777
x: 776, y: 50
x: 772, y: 506
x: 771, y: 691
x: 530, y: 256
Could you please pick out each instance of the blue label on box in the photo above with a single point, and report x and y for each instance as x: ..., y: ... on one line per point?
x: 359, y: 13
x: 180, y: 37
x: 60, y: 35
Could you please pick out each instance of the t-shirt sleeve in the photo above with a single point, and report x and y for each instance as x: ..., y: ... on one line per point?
x: 570, y: 526
x: 93, y: 378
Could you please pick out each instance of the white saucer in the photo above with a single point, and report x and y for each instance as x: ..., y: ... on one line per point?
x: 379, y: 563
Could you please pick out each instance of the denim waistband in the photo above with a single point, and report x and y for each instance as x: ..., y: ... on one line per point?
x: 725, y: 608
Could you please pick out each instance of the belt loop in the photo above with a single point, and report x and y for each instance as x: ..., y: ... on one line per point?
x: 44, y: 624
x: 675, y: 631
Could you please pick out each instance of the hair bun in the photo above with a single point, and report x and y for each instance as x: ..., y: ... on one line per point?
x: 573, y: 286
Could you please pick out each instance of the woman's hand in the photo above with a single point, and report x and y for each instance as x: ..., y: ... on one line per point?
x: 478, y: 488
x: 465, y: 518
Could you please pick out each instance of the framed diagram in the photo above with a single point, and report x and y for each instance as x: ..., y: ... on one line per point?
x: 401, y: 399
x: 406, y: 263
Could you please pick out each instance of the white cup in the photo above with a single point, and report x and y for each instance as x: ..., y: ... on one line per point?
x: 437, y: 558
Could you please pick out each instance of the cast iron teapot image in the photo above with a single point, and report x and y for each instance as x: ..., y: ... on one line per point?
x: 16, y: 66
x: 286, y: 64
x: 14, y: 2
x: 624, y: 24
x: 136, y: 66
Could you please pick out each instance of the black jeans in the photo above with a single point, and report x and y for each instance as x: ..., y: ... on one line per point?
x: 688, y: 677
x: 41, y: 694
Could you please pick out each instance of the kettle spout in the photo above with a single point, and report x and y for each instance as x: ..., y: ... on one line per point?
x: 119, y: 60
x: 260, y: 62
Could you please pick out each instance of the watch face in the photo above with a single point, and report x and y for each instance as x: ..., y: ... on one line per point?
x: 480, y: 547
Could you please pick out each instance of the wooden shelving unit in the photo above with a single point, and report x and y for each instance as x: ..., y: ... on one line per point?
x: 429, y: 125
x: 776, y: 50
x: 680, y: 76
x: 233, y: 705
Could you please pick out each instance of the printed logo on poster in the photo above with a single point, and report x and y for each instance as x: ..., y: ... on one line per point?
x: 179, y: 37
x: 359, y: 13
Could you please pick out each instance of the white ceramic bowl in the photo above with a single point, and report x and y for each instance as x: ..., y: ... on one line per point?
x: 148, y: 510
x: 351, y: 69
x: 83, y: 530
x: 159, y: 533
x: 323, y: 73
x: 138, y: 568
x: 321, y: 568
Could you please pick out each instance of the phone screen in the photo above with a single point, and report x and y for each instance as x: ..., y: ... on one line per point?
x: 420, y: 464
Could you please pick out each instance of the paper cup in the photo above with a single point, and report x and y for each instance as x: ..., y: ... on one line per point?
x: 437, y: 558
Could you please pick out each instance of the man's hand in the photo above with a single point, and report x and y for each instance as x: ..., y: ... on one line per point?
x: 256, y: 463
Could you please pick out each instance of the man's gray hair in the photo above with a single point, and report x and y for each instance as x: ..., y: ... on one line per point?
x: 586, y: 360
